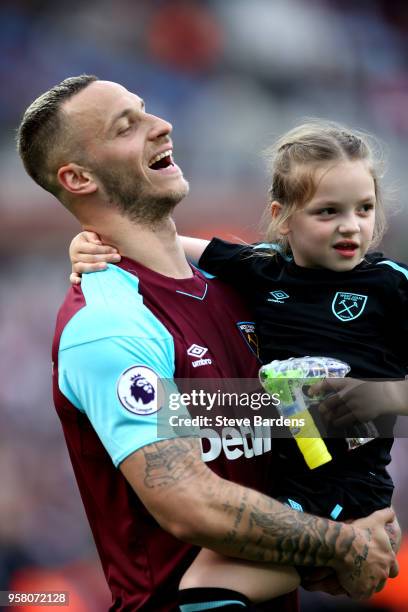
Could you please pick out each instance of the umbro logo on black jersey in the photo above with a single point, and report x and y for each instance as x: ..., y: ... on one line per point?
x: 278, y: 296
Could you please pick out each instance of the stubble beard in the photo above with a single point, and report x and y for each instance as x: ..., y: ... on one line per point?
x: 136, y: 202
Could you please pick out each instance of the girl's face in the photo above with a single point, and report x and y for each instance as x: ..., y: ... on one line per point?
x: 335, y: 227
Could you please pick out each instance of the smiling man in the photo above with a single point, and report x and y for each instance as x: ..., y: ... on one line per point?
x: 151, y: 500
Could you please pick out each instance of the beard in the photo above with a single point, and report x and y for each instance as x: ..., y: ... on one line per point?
x: 141, y: 204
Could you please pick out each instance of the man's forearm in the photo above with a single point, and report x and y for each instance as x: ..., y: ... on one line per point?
x: 197, y: 506
x: 243, y: 523
x: 235, y: 520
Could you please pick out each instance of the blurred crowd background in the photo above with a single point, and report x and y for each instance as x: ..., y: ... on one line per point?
x: 230, y: 75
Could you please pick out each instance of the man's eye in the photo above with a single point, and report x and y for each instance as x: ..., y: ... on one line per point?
x: 125, y: 130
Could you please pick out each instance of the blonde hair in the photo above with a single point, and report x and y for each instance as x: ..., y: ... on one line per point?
x: 294, y: 159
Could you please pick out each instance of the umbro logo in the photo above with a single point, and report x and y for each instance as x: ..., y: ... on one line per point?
x: 278, y: 296
x: 196, y: 350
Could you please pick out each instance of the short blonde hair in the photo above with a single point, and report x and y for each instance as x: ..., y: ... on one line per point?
x: 294, y: 159
x: 44, y: 135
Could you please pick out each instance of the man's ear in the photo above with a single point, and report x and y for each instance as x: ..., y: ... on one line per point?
x: 76, y: 179
x: 276, y: 212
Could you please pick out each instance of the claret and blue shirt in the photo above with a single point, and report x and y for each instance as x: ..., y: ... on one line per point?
x: 117, y: 334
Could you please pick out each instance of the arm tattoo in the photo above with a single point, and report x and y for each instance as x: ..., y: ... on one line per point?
x: 358, y: 562
x: 392, y: 536
x: 304, y: 541
x: 248, y: 524
x: 274, y: 536
x: 169, y: 462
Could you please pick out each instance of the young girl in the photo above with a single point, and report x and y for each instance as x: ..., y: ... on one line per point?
x: 317, y: 292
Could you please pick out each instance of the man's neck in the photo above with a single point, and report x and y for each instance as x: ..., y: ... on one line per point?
x: 158, y: 248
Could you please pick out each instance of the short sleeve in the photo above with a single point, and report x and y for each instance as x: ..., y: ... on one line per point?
x: 235, y: 264
x: 116, y: 381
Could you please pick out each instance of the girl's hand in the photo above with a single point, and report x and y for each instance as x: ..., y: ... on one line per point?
x: 350, y: 401
x: 88, y: 254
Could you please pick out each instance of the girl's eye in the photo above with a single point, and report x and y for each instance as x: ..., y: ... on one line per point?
x: 366, y: 207
x: 325, y: 212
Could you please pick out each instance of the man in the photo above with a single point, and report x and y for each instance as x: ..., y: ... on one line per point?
x: 149, y: 496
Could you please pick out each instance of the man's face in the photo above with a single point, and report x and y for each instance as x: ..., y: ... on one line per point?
x: 127, y: 150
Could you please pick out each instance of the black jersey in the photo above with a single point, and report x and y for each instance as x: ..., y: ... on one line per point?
x: 357, y: 316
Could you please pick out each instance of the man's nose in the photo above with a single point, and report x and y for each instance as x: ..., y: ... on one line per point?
x: 159, y: 127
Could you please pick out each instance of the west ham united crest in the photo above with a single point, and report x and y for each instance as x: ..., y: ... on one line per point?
x: 247, y: 329
x: 348, y: 306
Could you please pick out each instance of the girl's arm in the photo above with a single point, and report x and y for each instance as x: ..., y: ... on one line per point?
x: 193, y: 247
x: 88, y: 254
